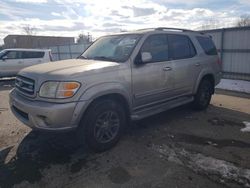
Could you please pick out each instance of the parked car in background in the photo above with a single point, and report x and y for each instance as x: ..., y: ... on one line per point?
x: 119, y: 77
x: 13, y: 60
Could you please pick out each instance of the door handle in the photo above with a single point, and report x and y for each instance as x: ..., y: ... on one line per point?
x: 167, y: 68
x: 20, y: 62
x: 197, y: 64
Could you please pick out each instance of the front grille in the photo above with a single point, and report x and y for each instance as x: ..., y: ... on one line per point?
x: 25, y: 85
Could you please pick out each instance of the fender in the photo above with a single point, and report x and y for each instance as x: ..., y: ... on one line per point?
x: 106, y: 88
x: 99, y: 90
x: 203, y: 73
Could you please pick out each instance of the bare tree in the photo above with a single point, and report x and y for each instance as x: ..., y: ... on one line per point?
x: 211, y: 24
x: 84, y: 39
x: 123, y: 30
x: 28, y: 30
x: 243, y: 21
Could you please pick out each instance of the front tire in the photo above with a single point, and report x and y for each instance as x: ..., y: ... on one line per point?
x: 103, y: 124
x: 203, y: 96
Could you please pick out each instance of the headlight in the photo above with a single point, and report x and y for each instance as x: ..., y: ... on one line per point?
x: 59, y: 90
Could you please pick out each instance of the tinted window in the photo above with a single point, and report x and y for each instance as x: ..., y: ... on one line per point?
x: 181, y: 47
x: 207, y: 45
x: 157, y: 45
x: 13, y: 55
x: 30, y: 54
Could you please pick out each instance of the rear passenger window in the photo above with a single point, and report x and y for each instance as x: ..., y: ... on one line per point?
x: 207, y: 45
x: 30, y: 54
x: 157, y: 45
x: 181, y: 47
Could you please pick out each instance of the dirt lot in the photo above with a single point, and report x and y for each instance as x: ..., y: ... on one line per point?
x: 177, y: 148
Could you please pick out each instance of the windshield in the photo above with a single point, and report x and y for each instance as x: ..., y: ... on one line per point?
x: 112, y: 48
x: 2, y: 53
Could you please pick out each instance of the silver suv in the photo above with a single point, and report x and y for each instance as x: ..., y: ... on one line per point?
x: 120, y: 77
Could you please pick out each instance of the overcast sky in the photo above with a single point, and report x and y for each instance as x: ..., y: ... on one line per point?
x: 72, y: 17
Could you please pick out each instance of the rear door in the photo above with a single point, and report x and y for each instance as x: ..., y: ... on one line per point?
x: 186, y: 65
x: 32, y: 57
x: 153, y: 81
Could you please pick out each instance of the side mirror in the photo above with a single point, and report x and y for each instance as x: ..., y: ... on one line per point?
x: 146, y: 57
x: 142, y: 58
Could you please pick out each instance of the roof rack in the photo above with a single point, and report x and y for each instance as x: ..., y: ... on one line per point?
x: 145, y: 29
x: 177, y: 29
x: 172, y: 28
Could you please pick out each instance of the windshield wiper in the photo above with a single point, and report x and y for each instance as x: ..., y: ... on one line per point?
x: 104, y: 58
x: 81, y: 57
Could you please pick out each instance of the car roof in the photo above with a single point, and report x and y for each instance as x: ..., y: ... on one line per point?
x: 163, y: 30
x: 27, y: 49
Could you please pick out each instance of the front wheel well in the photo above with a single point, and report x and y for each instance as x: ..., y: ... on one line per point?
x: 116, y: 97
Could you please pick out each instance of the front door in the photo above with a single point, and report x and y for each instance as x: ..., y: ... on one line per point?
x: 153, y: 81
x: 11, y: 63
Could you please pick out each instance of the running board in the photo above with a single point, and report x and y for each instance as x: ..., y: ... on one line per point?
x: 145, y: 112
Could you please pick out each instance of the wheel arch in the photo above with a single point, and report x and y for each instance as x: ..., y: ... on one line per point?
x: 102, y: 92
x: 209, y: 76
x: 118, y: 97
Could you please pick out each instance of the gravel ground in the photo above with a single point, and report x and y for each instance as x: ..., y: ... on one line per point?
x: 177, y: 148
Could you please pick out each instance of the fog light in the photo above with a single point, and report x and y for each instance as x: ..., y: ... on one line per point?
x: 43, y: 121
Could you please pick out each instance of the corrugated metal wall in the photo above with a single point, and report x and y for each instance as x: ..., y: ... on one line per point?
x: 234, y: 47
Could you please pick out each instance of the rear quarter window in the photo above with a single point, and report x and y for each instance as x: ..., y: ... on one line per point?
x: 207, y: 45
x: 30, y: 54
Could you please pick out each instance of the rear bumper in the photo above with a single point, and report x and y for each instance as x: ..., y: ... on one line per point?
x: 44, y: 115
x: 218, y: 77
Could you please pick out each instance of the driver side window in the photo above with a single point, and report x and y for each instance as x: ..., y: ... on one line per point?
x: 13, y: 55
x: 157, y: 46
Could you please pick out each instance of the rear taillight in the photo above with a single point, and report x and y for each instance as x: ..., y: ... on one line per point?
x: 219, y: 61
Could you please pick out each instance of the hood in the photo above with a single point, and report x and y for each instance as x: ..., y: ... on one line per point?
x: 68, y: 68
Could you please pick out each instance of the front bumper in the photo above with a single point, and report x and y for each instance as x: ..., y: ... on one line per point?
x: 44, y: 115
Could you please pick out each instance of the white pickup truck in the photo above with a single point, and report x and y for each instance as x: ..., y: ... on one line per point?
x: 13, y: 60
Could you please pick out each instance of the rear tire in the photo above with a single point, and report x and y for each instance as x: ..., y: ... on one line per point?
x: 203, y: 96
x: 102, y: 125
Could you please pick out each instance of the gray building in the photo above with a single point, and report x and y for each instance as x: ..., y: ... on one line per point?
x: 31, y: 41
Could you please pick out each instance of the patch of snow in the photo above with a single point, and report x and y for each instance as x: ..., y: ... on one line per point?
x: 234, y: 85
x: 211, y: 143
x: 205, y: 164
x: 169, y: 153
x: 247, y: 128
